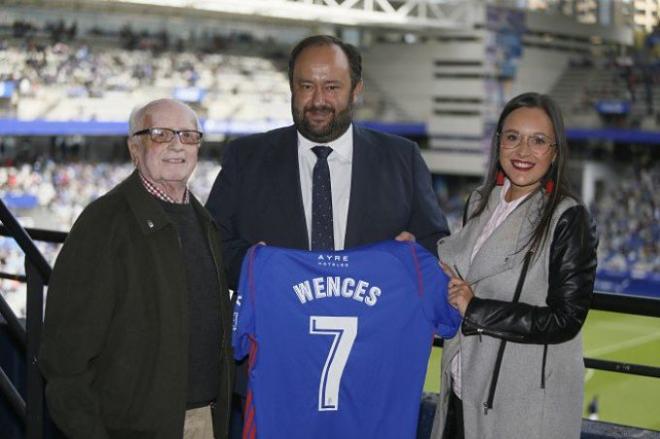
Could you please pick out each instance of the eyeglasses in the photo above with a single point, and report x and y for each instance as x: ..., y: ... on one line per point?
x: 165, y: 135
x: 538, y: 143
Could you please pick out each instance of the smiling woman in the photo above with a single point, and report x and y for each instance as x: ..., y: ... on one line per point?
x: 527, y: 251
x: 525, y: 163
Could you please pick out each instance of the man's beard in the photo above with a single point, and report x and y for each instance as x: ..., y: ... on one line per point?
x: 332, y: 131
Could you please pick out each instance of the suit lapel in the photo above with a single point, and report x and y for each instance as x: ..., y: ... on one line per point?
x: 285, y: 182
x: 365, y: 159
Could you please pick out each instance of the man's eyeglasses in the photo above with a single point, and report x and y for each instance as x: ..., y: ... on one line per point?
x: 166, y: 135
x: 538, y: 143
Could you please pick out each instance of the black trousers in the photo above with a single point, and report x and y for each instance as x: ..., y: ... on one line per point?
x: 454, y: 421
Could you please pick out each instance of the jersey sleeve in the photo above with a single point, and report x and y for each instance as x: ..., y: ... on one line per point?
x: 243, y: 324
x: 433, y: 281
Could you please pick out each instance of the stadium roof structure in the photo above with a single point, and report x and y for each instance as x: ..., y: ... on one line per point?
x: 413, y: 15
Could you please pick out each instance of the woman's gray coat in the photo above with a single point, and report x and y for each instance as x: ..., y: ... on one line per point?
x: 539, y: 388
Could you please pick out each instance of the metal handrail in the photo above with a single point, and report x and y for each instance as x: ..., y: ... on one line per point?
x: 37, y: 273
x: 34, y: 410
x: 629, y: 368
x: 15, y: 328
x: 13, y: 397
x: 626, y: 304
x: 45, y: 235
x: 32, y: 253
x: 16, y: 277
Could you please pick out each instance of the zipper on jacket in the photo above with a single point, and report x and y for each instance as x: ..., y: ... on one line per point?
x: 500, y: 352
x: 545, y: 356
x: 498, y: 334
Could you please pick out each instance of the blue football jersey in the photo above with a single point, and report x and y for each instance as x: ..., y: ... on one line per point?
x: 338, y: 341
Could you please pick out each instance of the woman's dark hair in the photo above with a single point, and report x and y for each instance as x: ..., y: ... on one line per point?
x: 351, y: 52
x: 557, y: 171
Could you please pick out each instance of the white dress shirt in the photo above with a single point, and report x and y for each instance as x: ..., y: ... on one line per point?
x: 340, y: 163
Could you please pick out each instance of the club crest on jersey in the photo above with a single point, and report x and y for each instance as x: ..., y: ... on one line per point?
x: 330, y: 260
x: 234, y: 321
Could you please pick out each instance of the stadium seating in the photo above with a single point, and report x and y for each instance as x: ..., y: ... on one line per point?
x: 75, y: 81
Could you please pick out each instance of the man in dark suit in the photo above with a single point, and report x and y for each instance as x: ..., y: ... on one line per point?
x: 380, y: 188
x: 380, y: 185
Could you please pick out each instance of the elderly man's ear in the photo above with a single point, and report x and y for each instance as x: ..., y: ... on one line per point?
x: 133, y: 147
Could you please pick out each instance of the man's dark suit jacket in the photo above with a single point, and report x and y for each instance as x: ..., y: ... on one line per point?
x: 257, y: 195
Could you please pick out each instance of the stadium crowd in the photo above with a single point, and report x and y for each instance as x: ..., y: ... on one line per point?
x: 622, y: 87
x: 61, y: 75
x: 628, y: 218
x: 79, y: 79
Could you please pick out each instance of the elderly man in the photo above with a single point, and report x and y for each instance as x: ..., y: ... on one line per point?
x: 136, y: 338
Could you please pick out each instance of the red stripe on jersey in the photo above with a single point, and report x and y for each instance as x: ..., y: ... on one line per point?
x: 252, y: 356
x: 250, y: 426
x: 253, y: 250
x: 420, y: 280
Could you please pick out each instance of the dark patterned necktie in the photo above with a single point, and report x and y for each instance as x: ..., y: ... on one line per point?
x: 323, y: 237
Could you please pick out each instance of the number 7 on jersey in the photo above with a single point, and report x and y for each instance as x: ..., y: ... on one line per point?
x: 344, y: 331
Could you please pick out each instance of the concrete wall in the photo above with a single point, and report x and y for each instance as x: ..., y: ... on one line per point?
x: 446, y: 80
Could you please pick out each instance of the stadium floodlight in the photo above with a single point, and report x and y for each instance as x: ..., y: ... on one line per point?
x: 395, y: 14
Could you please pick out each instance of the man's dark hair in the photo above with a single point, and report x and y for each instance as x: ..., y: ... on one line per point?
x: 351, y: 52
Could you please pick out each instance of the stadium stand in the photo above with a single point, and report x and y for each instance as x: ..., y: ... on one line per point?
x: 612, y: 90
x: 628, y: 215
x: 87, y: 79
x: 79, y: 82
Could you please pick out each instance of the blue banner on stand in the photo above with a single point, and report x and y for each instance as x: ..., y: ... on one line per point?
x: 7, y: 89
x: 636, y: 284
x: 189, y: 94
x: 14, y: 127
x: 613, y: 106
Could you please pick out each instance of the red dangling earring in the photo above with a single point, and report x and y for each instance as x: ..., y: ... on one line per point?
x: 549, y: 186
x: 499, y: 178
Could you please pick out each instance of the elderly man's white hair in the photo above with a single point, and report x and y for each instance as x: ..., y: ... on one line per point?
x: 137, y: 115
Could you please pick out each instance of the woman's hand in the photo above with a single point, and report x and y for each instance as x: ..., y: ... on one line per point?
x: 459, y: 292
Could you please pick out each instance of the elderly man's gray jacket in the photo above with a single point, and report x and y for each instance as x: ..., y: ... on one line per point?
x: 115, y: 346
x: 531, y: 308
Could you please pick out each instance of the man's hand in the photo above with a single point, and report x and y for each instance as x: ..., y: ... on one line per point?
x: 405, y: 236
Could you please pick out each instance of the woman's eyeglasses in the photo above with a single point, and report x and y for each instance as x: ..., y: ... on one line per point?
x: 538, y: 143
